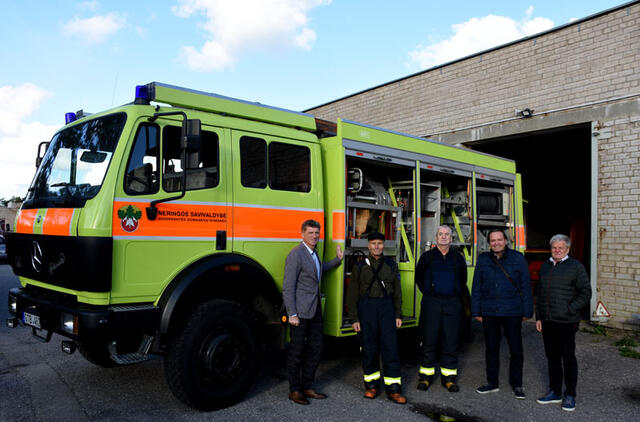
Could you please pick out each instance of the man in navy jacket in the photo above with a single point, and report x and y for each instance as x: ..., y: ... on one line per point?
x: 501, y: 299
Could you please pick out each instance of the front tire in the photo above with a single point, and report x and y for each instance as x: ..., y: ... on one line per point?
x: 213, y: 360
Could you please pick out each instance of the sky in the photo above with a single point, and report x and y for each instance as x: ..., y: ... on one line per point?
x: 62, y: 56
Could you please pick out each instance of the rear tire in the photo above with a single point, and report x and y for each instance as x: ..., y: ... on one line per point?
x: 213, y: 360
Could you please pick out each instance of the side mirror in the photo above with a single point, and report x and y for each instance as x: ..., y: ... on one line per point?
x: 191, y: 142
x: 40, y: 156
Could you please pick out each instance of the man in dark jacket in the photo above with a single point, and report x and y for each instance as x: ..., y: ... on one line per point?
x: 441, y: 276
x: 563, y: 291
x: 501, y: 299
x: 374, y: 300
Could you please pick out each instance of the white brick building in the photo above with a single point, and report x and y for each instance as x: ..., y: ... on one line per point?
x: 579, y: 153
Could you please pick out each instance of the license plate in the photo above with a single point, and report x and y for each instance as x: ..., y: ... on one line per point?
x: 31, y: 320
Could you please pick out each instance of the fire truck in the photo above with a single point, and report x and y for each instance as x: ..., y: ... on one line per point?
x: 161, y: 227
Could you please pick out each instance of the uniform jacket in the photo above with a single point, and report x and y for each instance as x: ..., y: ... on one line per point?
x: 443, y: 275
x: 301, y: 287
x: 362, y: 277
x: 563, y: 290
x: 493, y: 294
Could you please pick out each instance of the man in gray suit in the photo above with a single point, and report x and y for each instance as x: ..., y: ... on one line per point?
x: 301, y: 294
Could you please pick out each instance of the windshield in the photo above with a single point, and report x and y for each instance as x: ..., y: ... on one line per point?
x: 75, y: 163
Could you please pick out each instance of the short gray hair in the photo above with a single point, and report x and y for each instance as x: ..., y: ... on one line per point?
x: 560, y: 238
x: 444, y: 227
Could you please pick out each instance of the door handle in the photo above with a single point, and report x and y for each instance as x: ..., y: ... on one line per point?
x: 221, y: 240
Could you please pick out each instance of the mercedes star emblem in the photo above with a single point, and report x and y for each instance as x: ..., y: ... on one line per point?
x: 36, y: 257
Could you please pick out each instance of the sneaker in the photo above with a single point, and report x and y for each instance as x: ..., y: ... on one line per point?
x: 569, y: 403
x: 518, y: 392
x: 550, y: 397
x: 484, y: 389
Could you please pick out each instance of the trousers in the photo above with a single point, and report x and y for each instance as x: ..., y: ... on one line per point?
x: 379, y: 337
x: 512, y: 327
x: 305, y: 351
x: 440, y: 322
x: 560, y: 348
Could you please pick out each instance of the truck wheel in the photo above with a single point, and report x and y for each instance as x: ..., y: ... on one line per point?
x: 213, y: 360
x: 96, y: 352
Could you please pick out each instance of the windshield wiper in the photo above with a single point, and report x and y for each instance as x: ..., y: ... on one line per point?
x: 66, y: 184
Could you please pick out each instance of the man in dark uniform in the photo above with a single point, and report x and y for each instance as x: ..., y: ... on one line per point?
x: 374, y: 299
x: 441, y: 276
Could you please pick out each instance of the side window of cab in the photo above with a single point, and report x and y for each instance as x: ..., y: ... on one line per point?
x: 141, y: 177
x: 203, y: 170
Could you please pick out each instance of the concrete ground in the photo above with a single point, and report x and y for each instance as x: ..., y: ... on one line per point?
x: 40, y: 383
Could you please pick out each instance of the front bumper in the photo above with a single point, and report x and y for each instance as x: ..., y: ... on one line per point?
x: 48, y: 312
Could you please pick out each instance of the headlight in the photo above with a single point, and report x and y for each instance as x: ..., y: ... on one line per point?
x: 69, y: 323
x: 13, y: 304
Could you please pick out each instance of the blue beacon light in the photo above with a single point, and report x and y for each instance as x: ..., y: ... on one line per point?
x: 142, y: 95
x: 69, y: 118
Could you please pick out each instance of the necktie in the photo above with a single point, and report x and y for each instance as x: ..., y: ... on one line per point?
x: 317, y: 261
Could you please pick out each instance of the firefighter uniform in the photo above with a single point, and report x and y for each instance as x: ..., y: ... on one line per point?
x: 374, y: 299
x: 442, y: 281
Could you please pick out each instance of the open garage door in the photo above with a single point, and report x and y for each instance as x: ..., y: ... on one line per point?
x: 556, y: 183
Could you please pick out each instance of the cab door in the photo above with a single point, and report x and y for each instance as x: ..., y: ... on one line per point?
x: 276, y: 186
x: 150, y: 252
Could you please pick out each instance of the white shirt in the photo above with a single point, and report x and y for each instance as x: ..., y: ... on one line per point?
x: 556, y: 263
x: 314, y: 256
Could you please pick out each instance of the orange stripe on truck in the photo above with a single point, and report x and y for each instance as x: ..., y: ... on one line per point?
x: 57, y: 221
x: 272, y: 223
x: 338, y: 225
x: 174, y: 219
x: 203, y: 220
x: 26, y: 219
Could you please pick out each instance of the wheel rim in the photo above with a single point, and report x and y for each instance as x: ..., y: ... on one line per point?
x: 223, y: 357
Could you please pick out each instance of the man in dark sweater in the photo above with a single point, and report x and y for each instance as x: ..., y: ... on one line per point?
x: 563, y: 290
x: 441, y: 276
x: 374, y: 301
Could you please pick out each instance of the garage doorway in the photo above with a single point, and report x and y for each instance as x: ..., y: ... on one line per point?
x: 556, y: 183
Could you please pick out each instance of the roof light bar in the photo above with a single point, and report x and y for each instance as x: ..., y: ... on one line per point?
x: 69, y: 118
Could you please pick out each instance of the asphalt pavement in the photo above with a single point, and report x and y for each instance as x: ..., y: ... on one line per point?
x: 40, y: 383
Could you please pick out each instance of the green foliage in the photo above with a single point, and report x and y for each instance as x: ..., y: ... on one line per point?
x: 628, y: 352
x: 626, y: 341
x: 599, y: 330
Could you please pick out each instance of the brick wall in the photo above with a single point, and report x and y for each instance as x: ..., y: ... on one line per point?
x: 619, y: 219
x: 587, y: 62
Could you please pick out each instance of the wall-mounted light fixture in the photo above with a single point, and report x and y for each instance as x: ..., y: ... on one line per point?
x: 526, y: 112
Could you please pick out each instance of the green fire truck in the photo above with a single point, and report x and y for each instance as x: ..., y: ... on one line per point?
x: 161, y: 227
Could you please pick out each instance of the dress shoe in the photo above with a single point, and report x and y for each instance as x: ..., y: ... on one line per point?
x: 311, y: 394
x: 298, y: 397
x: 397, y: 398
x: 370, y: 393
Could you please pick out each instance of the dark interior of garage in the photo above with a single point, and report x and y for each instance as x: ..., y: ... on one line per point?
x: 556, y: 183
